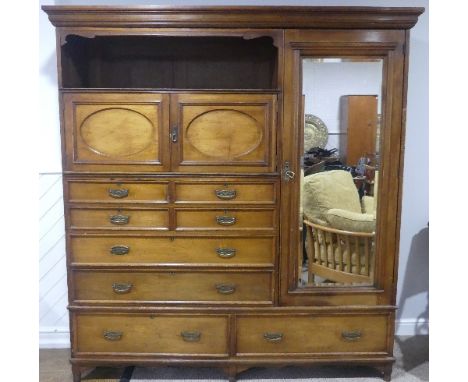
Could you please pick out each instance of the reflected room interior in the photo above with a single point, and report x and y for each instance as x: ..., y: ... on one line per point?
x: 341, y: 121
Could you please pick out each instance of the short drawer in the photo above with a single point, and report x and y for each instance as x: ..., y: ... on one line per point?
x: 178, y: 286
x: 222, y: 192
x: 174, y: 250
x: 151, y: 334
x: 116, y: 192
x: 226, y: 219
x: 121, y: 219
x: 311, y: 334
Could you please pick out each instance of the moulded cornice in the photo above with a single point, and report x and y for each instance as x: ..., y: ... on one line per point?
x: 234, y: 17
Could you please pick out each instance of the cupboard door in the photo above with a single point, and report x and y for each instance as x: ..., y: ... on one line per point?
x: 223, y: 132
x: 116, y: 132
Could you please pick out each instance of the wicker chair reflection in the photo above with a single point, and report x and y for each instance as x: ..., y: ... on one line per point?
x: 338, y: 254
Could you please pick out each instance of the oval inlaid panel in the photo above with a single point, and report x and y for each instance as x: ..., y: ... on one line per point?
x: 117, y: 132
x: 224, y: 133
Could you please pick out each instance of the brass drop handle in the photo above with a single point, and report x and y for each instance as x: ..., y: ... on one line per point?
x: 225, y: 288
x: 273, y: 337
x: 353, y: 335
x: 119, y: 219
x: 226, y: 194
x: 122, y: 288
x: 118, y: 193
x: 119, y: 250
x: 112, y: 336
x: 225, y: 220
x: 190, y: 336
x: 226, y: 253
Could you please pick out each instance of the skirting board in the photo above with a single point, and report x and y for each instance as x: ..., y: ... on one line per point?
x: 59, y: 338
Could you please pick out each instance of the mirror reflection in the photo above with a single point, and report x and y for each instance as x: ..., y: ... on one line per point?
x: 341, y: 109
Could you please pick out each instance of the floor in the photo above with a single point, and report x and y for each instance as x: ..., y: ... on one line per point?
x: 412, y: 364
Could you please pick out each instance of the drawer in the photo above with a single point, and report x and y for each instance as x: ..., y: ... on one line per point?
x: 180, y: 286
x: 151, y: 334
x: 113, y: 192
x: 222, y: 192
x: 225, y: 219
x: 174, y: 250
x: 121, y: 219
x: 311, y: 334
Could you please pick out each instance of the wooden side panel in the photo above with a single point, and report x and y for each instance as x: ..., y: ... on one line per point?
x: 116, y: 131
x: 150, y: 334
x: 224, y: 132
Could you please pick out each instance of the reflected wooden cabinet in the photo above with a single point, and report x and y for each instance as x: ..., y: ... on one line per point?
x: 182, y: 135
x: 358, y: 123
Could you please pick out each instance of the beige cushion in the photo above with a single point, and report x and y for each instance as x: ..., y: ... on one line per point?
x: 368, y: 204
x: 327, y: 190
x: 350, y: 221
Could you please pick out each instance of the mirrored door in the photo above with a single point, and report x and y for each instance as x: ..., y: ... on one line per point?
x: 340, y: 124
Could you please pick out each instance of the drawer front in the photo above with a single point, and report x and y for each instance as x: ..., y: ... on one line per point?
x: 116, y: 132
x: 174, y: 250
x: 151, y: 334
x: 173, y: 286
x: 229, y: 193
x: 122, y: 192
x: 122, y: 219
x: 224, y: 132
x: 223, y: 219
x: 311, y: 334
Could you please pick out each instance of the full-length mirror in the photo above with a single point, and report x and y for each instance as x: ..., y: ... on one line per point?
x: 340, y: 114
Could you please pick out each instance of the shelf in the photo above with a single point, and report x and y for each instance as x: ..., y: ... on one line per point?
x: 125, y: 62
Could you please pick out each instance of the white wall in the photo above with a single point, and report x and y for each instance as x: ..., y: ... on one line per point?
x: 413, y: 269
x: 324, y: 83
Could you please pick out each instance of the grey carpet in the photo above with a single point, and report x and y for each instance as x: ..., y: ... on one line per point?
x: 412, y: 365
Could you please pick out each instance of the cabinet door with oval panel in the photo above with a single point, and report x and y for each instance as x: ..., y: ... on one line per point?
x: 113, y: 131
x: 223, y: 132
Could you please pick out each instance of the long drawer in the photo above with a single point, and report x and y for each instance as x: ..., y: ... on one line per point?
x: 177, y: 286
x: 309, y: 334
x: 172, y: 250
x: 151, y: 334
x: 225, y: 219
x: 104, y: 218
x: 102, y: 191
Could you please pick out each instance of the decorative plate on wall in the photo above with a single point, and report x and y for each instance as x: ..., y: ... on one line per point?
x: 315, y: 132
